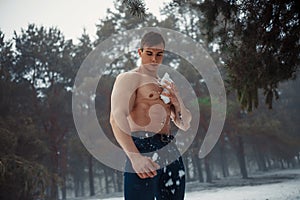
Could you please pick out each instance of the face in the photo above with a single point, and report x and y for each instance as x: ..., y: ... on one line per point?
x: 152, y: 56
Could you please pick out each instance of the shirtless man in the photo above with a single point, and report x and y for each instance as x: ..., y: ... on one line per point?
x: 141, y: 123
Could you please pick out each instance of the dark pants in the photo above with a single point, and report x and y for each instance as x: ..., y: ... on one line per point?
x: 168, y: 184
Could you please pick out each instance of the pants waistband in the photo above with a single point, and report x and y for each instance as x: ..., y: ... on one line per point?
x: 166, y: 138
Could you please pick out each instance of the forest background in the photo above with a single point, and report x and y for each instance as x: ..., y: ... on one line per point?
x: 255, y: 45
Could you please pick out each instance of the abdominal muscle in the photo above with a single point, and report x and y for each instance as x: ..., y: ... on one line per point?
x: 150, y: 115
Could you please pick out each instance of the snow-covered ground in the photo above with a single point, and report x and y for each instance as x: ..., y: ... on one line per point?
x: 287, y: 190
x: 275, y: 185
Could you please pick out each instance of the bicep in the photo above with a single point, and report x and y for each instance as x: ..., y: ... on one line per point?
x: 121, y: 96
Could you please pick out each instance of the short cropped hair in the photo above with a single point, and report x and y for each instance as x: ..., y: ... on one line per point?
x: 151, y: 39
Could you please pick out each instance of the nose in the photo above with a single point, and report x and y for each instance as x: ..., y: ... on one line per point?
x: 153, y: 58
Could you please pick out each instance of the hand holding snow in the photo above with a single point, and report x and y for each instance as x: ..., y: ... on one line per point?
x: 166, y: 77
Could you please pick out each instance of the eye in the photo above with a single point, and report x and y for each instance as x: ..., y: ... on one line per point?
x: 149, y: 53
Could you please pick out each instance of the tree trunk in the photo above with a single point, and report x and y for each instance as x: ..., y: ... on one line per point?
x: 195, y: 170
x: 207, y: 170
x: 187, y: 171
x: 195, y: 159
x: 114, y: 177
x: 199, y: 169
x: 64, y: 188
x: 91, y: 175
x: 260, y: 158
x: 268, y: 161
x: 281, y: 164
x: 101, y: 187
x: 76, y: 186
x: 119, y: 181
x: 241, y: 157
x: 106, y: 180
x: 63, y: 165
x: 54, y: 187
x: 223, y: 160
x: 82, y: 188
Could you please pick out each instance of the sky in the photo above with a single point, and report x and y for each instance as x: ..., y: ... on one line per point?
x: 69, y: 16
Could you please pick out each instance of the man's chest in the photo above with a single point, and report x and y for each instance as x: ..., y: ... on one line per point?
x: 148, y: 92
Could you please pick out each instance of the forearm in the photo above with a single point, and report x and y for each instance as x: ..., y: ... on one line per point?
x: 183, y: 116
x: 125, y: 140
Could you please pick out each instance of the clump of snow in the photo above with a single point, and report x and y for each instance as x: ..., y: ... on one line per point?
x: 181, y: 173
x: 169, y: 183
x: 155, y: 156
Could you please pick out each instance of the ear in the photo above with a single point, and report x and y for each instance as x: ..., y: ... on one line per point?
x: 140, y: 51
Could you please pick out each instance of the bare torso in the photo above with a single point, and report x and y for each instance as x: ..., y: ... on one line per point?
x: 148, y: 111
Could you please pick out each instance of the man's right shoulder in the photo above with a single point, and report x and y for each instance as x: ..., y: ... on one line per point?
x: 130, y: 76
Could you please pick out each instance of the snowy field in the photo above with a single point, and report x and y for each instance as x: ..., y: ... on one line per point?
x: 275, y: 185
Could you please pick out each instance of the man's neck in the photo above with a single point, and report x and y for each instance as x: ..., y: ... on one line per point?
x: 143, y: 70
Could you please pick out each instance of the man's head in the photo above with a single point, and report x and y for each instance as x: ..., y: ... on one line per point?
x: 152, y: 39
x: 152, y: 49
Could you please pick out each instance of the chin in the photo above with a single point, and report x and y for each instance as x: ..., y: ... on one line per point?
x: 152, y: 66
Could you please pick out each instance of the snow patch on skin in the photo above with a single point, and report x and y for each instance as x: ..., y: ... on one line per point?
x: 181, y: 173
x: 169, y: 183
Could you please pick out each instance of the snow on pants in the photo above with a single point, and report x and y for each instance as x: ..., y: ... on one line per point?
x: 169, y: 183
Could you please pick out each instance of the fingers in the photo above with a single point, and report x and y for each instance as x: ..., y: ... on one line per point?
x: 142, y: 175
x: 171, y: 92
x: 147, y: 169
x: 170, y: 86
x: 155, y: 165
x: 149, y: 174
